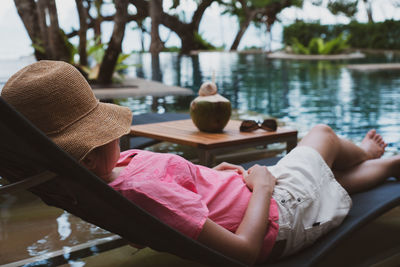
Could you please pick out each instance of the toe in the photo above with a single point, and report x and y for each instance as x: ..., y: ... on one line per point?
x: 371, y: 133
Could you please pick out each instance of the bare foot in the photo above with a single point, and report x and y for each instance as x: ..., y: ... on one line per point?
x: 373, y: 145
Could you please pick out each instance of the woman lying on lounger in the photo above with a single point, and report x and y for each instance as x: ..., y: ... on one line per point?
x: 254, y: 215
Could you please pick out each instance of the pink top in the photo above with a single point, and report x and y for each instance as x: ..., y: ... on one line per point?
x: 184, y: 195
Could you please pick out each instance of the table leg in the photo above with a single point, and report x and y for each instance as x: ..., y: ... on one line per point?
x: 290, y: 144
x: 124, y: 142
x: 206, y: 158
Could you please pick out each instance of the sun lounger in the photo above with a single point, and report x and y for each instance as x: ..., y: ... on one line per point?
x: 367, y: 206
x: 29, y: 160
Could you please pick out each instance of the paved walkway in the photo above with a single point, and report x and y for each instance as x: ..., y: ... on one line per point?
x: 140, y: 87
x: 371, y: 67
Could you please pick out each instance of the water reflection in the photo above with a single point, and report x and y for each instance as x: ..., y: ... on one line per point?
x: 156, y: 74
x: 29, y: 228
x: 302, y: 93
x: 40, y: 247
x: 64, y: 226
x: 299, y: 93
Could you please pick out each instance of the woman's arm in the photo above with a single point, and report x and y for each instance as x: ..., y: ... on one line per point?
x: 246, y: 242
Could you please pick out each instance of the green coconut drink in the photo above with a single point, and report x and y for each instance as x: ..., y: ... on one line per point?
x: 210, y: 111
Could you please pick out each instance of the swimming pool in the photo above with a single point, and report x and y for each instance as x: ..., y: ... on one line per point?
x: 298, y: 93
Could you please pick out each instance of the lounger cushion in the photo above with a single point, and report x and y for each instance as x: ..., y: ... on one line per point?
x: 367, y: 206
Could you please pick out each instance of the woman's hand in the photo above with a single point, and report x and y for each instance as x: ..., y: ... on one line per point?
x: 245, y: 244
x: 260, y: 176
x: 224, y: 166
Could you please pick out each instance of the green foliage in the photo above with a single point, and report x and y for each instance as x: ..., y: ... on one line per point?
x: 120, y: 62
x: 121, y: 68
x: 72, y: 50
x: 266, y: 3
x: 202, y: 44
x: 220, y: 48
x: 262, y: 3
x: 175, y: 4
x: 172, y: 49
x: 39, y: 47
x: 380, y: 35
x: 335, y: 46
x: 346, y: 7
x: 95, y: 53
x: 317, y: 2
x: 299, y: 48
x: 304, y: 32
x: 235, y: 8
x: 383, y: 35
x: 252, y: 48
x: 95, y: 50
x: 317, y: 46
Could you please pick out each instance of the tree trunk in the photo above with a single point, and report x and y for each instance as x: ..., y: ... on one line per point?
x: 186, y: 31
x: 82, y: 33
x: 156, y: 11
x: 198, y: 14
x: 142, y: 38
x: 57, y: 43
x: 115, y: 44
x: 271, y: 19
x: 27, y: 10
x: 156, y: 73
x: 97, y: 21
x: 269, y: 34
x: 368, y: 8
x: 41, y: 10
x: 242, y: 30
x: 187, y: 41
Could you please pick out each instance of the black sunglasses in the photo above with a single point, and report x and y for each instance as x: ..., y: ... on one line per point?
x: 269, y: 125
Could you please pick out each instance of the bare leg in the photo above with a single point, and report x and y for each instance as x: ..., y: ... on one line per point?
x: 355, y: 167
x: 341, y: 154
x: 368, y: 174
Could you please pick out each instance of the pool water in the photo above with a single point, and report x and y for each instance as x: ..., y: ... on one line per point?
x: 298, y: 93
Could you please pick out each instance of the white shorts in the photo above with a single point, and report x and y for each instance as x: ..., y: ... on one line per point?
x: 310, y: 200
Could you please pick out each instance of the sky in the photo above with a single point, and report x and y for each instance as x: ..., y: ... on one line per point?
x: 220, y: 30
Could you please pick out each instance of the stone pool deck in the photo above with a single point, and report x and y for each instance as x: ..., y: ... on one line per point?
x: 374, y: 67
x: 137, y: 87
x: 283, y: 55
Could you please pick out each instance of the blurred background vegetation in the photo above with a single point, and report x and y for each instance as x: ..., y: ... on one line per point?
x: 379, y: 35
x: 100, y: 61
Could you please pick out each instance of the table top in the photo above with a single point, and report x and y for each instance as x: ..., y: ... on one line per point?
x: 185, y: 132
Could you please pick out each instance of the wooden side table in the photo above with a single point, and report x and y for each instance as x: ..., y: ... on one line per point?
x: 184, y: 132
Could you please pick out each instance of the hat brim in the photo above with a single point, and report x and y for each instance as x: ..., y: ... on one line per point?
x: 105, y: 123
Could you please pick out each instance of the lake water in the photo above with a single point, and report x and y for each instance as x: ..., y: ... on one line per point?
x: 299, y: 94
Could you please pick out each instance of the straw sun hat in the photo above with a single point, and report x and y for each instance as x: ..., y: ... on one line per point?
x: 56, y: 98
